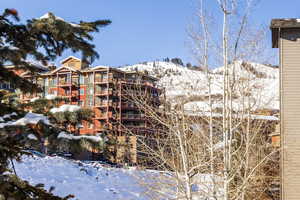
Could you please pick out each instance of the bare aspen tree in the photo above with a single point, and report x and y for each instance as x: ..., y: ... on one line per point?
x: 178, y: 148
x: 228, y: 146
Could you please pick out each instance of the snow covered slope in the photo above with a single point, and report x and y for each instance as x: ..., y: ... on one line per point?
x: 187, y: 85
x: 93, y: 181
x: 85, y: 181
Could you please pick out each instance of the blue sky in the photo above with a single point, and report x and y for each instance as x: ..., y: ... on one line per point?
x: 141, y: 30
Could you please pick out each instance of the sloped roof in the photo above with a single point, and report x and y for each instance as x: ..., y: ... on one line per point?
x: 68, y: 58
x: 57, y: 69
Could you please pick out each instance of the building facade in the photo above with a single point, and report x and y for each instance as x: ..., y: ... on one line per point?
x: 286, y: 37
x: 104, y: 90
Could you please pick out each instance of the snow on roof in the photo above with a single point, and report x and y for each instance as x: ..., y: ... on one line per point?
x: 57, y: 69
x: 75, y: 137
x: 65, y: 108
x: 215, y: 114
x: 34, y: 99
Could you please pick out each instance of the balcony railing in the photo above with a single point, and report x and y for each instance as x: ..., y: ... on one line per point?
x: 103, y: 79
x: 104, y: 127
x: 136, y: 81
x: 105, y: 103
x: 128, y: 105
x: 68, y: 83
x: 133, y: 116
x: 104, y: 92
x: 106, y: 115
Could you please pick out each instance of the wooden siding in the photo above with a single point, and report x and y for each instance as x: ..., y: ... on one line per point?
x: 290, y: 113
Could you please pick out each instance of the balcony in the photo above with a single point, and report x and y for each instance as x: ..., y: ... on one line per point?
x: 104, y: 127
x: 139, y: 82
x: 103, y: 103
x: 128, y: 105
x: 104, y: 79
x: 135, y: 94
x: 106, y: 115
x: 133, y: 116
x: 65, y: 95
x: 103, y: 92
x: 63, y: 83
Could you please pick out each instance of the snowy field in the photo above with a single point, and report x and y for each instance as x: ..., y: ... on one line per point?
x: 85, y: 181
x: 93, y: 181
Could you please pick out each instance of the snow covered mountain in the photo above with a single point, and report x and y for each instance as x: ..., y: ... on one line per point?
x: 191, y: 86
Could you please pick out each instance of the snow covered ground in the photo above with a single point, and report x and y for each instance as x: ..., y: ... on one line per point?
x: 93, y: 181
x: 85, y: 181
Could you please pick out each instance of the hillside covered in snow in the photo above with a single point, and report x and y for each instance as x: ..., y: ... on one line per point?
x: 93, y: 180
x: 191, y: 86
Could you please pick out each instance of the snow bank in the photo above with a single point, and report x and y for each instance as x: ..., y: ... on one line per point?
x: 50, y: 96
x: 32, y: 118
x: 32, y: 137
x: 65, y: 108
x: 7, y: 116
x: 34, y: 99
x: 75, y: 137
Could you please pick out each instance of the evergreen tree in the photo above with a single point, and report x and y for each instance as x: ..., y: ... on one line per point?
x: 177, y: 61
x: 189, y: 65
x: 42, y: 39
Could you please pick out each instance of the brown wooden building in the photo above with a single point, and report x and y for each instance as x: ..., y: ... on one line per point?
x: 286, y: 37
x: 102, y: 89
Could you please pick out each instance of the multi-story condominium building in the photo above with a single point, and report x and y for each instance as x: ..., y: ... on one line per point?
x: 102, y: 89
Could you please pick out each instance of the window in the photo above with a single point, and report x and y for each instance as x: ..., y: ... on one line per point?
x: 91, y: 78
x: 81, y: 79
x: 46, y: 82
x: 91, y: 91
x: 90, y: 101
x: 91, y: 125
x: 79, y: 125
x: 55, y: 81
x: 5, y: 86
x: 81, y: 91
x: 68, y: 78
